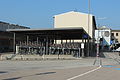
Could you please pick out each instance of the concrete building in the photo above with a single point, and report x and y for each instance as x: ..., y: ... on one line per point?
x: 116, y: 36
x: 76, y: 19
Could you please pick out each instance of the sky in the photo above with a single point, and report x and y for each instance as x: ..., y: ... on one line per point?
x: 39, y: 13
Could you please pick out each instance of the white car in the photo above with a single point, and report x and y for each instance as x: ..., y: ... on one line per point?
x: 117, y: 50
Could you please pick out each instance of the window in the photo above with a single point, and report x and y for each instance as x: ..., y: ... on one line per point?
x: 116, y: 34
x: 112, y: 34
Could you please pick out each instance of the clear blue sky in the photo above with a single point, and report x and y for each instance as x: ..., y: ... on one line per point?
x: 39, y: 13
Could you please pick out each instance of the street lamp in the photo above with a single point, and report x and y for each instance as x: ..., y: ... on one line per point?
x: 88, y: 25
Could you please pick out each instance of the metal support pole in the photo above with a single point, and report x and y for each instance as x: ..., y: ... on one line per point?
x: 66, y: 41
x: 55, y: 41
x: 20, y: 43
x: 47, y: 45
x: 37, y: 40
x: 91, y: 45
x: 70, y: 41
x: 82, y: 45
x: 79, y: 53
x: 88, y: 26
x: 97, y: 55
x: 98, y: 42
x: 14, y: 43
x: 27, y: 39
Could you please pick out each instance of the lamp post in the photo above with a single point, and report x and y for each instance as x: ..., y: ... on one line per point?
x: 88, y: 25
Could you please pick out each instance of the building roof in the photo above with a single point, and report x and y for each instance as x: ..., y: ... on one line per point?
x: 73, y: 12
x: 115, y: 30
x: 58, y: 33
x: 10, y: 25
x: 103, y: 28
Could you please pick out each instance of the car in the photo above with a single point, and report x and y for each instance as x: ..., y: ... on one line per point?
x: 118, y: 49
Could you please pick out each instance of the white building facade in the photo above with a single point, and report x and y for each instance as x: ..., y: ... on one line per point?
x: 76, y: 19
x: 103, y: 36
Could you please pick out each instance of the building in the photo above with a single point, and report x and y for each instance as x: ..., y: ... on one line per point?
x: 6, y: 38
x: 103, y: 37
x: 76, y: 19
x: 67, y: 28
x: 43, y: 41
x: 116, y: 36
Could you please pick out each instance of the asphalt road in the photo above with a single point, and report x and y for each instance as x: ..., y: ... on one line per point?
x: 82, y: 69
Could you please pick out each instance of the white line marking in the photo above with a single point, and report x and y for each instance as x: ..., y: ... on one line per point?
x: 85, y: 73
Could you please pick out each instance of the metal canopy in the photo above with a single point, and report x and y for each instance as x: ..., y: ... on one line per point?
x: 55, y: 33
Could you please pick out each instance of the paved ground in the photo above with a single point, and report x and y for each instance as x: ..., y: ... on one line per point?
x: 82, y: 69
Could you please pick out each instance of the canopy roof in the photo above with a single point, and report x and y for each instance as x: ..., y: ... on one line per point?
x: 56, y: 33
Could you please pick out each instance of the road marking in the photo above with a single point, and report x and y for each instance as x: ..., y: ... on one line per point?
x: 85, y: 73
x: 116, y: 68
x: 108, y: 66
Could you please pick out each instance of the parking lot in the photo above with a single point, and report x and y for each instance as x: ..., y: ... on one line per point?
x: 81, y: 69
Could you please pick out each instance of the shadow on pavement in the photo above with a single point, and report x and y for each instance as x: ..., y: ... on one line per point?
x: 13, y: 78
x: 1, y: 72
x: 45, y: 73
x: 102, y: 55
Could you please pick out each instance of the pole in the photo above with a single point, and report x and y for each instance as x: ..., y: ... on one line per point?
x: 14, y: 44
x: 88, y: 25
x: 97, y: 55
x: 47, y: 45
x: 37, y: 40
x: 27, y: 39
x: 97, y: 50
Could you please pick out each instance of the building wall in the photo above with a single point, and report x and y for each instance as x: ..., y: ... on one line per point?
x: 74, y: 19
x: 117, y: 37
